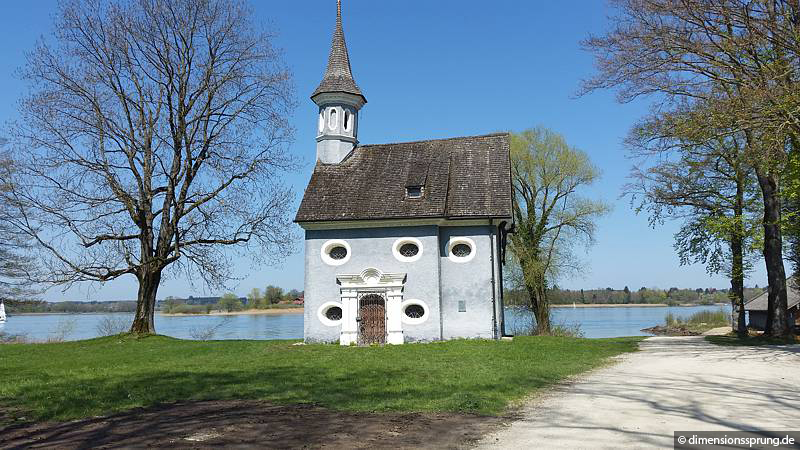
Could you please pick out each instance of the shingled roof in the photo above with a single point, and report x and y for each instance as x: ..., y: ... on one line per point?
x: 761, y: 302
x: 464, y: 177
x: 338, y: 76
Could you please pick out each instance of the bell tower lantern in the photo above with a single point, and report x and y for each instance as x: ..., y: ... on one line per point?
x: 339, y: 100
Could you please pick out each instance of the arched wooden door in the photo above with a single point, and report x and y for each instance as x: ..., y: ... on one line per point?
x: 372, y: 319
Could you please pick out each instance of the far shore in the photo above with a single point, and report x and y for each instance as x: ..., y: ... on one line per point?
x: 628, y: 305
x: 212, y: 313
x: 271, y: 311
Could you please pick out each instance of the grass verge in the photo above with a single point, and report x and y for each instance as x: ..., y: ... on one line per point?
x: 733, y: 340
x: 73, y: 380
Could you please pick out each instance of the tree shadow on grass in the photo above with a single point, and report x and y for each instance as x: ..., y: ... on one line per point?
x: 238, y: 423
x: 172, y: 408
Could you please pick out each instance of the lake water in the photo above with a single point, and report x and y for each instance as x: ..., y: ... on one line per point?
x: 594, y: 322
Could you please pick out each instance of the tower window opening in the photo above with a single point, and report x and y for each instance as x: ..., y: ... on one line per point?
x: 347, y: 121
x: 332, y: 120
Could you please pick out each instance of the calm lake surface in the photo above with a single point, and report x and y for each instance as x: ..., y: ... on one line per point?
x: 594, y: 322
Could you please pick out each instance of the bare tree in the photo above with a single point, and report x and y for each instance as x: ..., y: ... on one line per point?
x: 734, y: 62
x: 16, y: 265
x: 157, y: 133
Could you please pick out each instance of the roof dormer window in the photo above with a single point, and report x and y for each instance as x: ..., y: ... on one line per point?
x: 414, y: 191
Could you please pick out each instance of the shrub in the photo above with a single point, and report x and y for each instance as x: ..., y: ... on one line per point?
x: 63, y: 329
x: 229, y: 302
x: 719, y: 317
x: 112, y: 325
x: 190, y: 309
x: 710, y: 318
x: 6, y: 338
x: 208, y: 332
x: 671, y: 321
x: 525, y: 325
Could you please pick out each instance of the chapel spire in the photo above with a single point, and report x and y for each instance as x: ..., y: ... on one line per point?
x: 339, y: 100
x: 338, y: 76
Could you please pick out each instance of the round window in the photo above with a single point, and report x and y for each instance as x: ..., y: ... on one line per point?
x: 330, y: 314
x: 409, y: 250
x: 334, y: 313
x: 335, y: 252
x: 461, y: 250
x: 338, y: 252
x: 414, y: 311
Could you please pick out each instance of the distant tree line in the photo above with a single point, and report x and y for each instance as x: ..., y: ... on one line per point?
x: 275, y: 297
x: 672, y: 296
x: 272, y: 297
x: 38, y: 306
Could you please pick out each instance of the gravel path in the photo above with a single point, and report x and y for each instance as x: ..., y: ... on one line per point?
x: 673, y: 383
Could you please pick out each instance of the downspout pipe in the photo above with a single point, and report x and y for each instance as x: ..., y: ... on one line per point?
x: 502, y: 244
x: 492, y: 239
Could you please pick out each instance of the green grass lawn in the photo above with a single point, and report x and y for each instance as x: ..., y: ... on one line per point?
x: 733, y: 340
x: 95, y: 377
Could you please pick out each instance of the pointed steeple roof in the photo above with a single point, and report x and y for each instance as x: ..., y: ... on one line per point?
x: 338, y: 76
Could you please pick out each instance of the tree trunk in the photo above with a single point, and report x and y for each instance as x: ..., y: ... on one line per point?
x: 539, y: 305
x: 737, y: 284
x: 737, y: 263
x: 143, y: 321
x: 773, y: 255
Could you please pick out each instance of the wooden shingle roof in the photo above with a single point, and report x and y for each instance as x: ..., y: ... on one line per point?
x: 338, y: 75
x: 792, y: 293
x: 464, y: 177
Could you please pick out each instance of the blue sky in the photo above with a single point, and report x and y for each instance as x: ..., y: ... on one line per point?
x: 436, y: 69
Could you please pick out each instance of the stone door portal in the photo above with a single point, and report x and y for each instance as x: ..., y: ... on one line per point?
x: 372, y: 319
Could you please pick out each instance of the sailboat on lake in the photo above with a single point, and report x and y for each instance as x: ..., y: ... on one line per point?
x: 2, y: 312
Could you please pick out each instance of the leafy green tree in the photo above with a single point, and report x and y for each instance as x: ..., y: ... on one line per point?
x: 551, y: 215
x: 733, y: 65
x: 792, y: 209
x: 273, y: 294
x: 171, y: 303
x: 229, y: 302
x: 255, y: 299
x: 705, y: 181
x: 292, y: 295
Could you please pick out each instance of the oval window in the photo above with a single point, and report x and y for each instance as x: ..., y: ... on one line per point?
x: 414, y: 311
x: 461, y: 250
x: 409, y: 250
x: 338, y: 252
x: 332, y: 120
x: 321, y: 121
x: 330, y: 314
x: 334, y: 313
x: 335, y: 252
x: 347, y: 120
